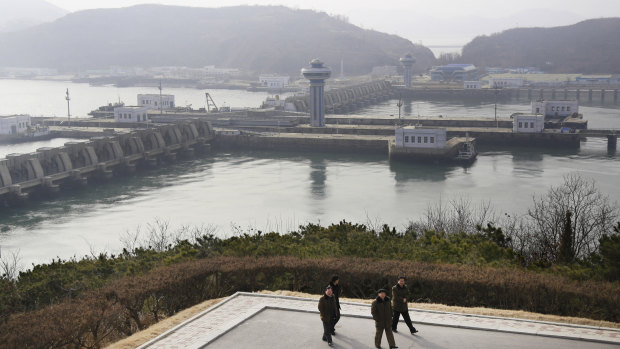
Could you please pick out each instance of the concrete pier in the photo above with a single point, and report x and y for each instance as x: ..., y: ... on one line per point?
x: 49, y: 169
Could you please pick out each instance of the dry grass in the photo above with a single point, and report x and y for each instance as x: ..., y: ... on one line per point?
x: 142, y: 337
x: 166, y: 324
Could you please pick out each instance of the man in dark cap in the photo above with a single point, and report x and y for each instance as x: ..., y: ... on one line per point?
x: 337, y: 291
x: 382, y: 314
x: 400, y: 294
x: 329, y: 311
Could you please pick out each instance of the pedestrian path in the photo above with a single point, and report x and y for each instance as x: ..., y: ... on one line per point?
x: 206, y: 327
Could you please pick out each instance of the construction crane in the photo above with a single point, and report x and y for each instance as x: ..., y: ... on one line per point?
x: 211, y: 107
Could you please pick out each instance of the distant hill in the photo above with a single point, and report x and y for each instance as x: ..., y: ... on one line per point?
x: 20, y: 14
x: 267, y: 39
x: 589, y: 47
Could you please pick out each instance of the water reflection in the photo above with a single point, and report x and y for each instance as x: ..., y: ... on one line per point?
x: 318, y: 175
x: 411, y: 171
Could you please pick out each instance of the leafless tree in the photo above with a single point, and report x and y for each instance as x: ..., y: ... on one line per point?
x: 10, y: 265
x: 592, y: 216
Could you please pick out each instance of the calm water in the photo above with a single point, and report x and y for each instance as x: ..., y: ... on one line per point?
x: 280, y: 190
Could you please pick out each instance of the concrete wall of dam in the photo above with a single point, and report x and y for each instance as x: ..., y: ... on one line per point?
x: 49, y: 169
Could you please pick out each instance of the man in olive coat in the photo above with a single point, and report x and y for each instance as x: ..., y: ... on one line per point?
x: 382, y: 314
x: 400, y: 293
x: 329, y: 311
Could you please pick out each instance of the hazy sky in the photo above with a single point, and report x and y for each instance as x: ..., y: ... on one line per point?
x: 442, y: 22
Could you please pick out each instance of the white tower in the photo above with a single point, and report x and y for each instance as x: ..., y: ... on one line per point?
x: 317, y: 74
x: 407, y: 63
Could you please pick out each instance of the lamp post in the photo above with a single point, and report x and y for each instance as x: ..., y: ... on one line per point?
x: 399, y: 105
x: 68, y: 109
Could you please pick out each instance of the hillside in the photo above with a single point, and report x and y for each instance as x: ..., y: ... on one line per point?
x: 588, y: 47
x: 256, y: 38
x: 18, y: 15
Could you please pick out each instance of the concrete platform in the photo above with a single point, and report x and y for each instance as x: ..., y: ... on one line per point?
x: 248, y: 320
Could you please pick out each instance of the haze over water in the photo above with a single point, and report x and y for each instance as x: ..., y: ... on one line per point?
x: 268, y: 191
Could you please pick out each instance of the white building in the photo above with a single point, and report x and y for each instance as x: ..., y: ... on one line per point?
x: 472, y: 85
x: 152, y: 101
x: 528, y: 123
x: 418, y: 137
x: 274, y: 81
x: 505, y: 82
x: 14, y: 124
x: 555, y: 108
x: 131, y: 114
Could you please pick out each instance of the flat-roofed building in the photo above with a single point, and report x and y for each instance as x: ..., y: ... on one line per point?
x: 274, y: 81
x: 420, y: 137
x: 131, y: 114
x: 153, y: 101
x: 557, y: 108
x: 472, y: 85
x: 528, y: 123
x: 14, y: 124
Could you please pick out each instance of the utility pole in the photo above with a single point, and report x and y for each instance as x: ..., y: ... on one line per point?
x: 161, y: 110
x: 68, y: 109
x: 496, y: 123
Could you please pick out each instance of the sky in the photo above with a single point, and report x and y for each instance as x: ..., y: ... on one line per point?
x: 429, y: 22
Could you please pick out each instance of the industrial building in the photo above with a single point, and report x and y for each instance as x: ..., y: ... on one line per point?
x: 417, y: 137
x: 557, y: 108
x: 528, y: 123
x: 454, y: 72
x: 274, y: 81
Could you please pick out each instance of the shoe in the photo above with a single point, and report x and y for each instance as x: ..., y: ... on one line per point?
x: 378, y: 346
x: 333, y: 333
x: 394, y: 330
x: 324, y: 339
x: 394, y: 347
x: 414, y: 331
x: 330, y: 344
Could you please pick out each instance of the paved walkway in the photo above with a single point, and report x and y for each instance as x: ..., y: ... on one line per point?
x: 204, y: 328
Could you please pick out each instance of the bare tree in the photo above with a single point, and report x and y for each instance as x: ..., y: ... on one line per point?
x: 592, y: 216
x: 10, y: 265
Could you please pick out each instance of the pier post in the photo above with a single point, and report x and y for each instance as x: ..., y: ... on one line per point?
x: 602, y: 95
x: 590, y: 95
x: 616, y: 96
x: 612, y: 141
x: 578, y: 94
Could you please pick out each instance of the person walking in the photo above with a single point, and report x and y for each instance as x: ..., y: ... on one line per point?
x: 382, y: 314
x: 329, y: 312
x: 337, y: 291
x: 399, y: 305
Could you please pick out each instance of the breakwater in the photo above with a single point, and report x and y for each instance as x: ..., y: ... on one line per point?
x: 49, y: 169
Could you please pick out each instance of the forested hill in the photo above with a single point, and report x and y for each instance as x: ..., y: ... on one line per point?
x: 589, y: 47
x: 255, y: 38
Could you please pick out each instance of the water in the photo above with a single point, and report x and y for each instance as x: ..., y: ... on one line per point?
x: 281, y: 190
x: 47, y: 98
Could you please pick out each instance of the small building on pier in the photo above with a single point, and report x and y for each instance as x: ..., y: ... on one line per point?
x: 131, y: 114
x: 419, y: 137
x: 472, y: 85
x: 528, y: 123
x: 156, y: 101
x: 14, y: 124
x: 555, y: 108
x: 505, y: 82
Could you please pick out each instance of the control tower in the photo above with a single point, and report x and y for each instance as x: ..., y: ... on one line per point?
x: 317, y: 73
x: 407, y: 62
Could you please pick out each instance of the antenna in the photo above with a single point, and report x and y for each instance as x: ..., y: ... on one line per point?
x: 68, y: 109
x: 161, y: 111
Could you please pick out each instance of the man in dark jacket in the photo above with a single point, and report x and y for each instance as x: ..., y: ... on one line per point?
x: 329, y: 312
x: 400, y: 293
x: 337, y: 291
x: 382, y: 314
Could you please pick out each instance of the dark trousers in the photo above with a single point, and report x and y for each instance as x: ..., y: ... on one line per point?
x: 405, y: 317
x: 335, y: 322
x: 327, y: 330
x: 388, y: 333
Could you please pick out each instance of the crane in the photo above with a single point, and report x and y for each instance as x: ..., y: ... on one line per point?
x: 210, y: 103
